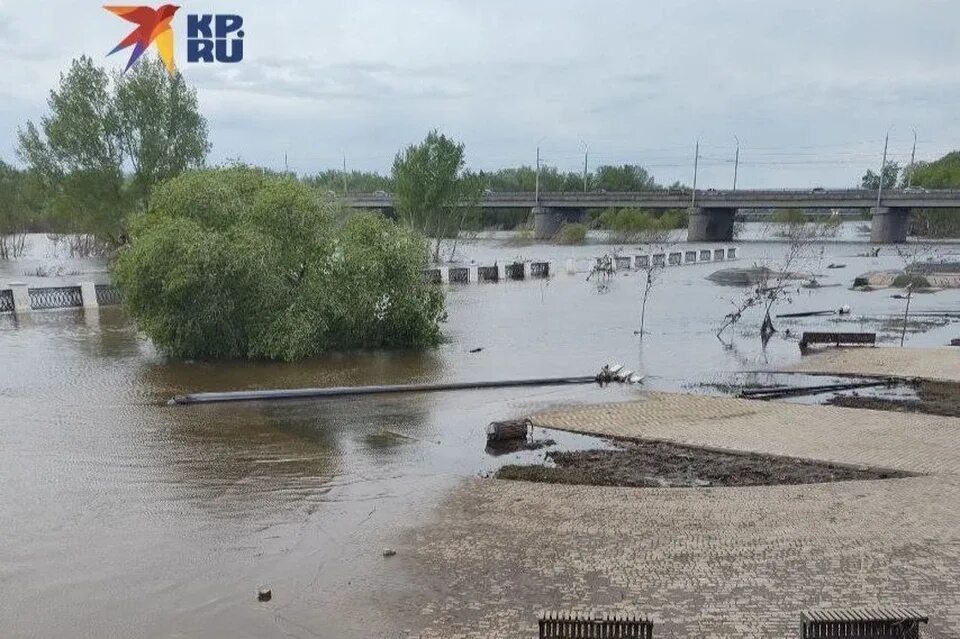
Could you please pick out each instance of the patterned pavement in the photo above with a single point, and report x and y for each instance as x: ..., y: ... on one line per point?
x: 712, y: 562
x: 931, y: 363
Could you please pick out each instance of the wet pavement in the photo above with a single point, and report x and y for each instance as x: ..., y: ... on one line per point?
x: 126, y: 517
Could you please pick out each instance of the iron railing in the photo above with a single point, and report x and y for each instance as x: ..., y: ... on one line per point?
x: 55, y: 297
x: 6, y: 301
x: 108, y: 295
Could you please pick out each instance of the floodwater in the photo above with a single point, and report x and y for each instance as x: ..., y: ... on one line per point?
x: 124, y: 517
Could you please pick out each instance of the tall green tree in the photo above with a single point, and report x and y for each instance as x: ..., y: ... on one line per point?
x: 108, y: 140
x: 433, y: 191
x: 871, y: 180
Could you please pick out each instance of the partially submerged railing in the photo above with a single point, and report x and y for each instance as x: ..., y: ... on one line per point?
x: 20, y: 298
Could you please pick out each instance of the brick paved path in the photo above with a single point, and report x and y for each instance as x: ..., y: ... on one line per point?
x: 717, y: 562
x: 932, y: 363
x: 921, y: 443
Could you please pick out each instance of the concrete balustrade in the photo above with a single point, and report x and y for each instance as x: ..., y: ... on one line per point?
x: 21, y: 297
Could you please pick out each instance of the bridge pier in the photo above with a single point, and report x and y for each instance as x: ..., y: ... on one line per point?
x: 710, y: 224
x: 547, y: 221
x: 889, y: 225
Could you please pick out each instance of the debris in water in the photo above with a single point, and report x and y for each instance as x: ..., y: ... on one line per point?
x: 506, y: 430
x: 389, y: 552
x: 832, y: 265
x: 476, y: 350
x: 264, y: 594
x: 509, y: 446
x: 843, y: 310
x: 617, y: 373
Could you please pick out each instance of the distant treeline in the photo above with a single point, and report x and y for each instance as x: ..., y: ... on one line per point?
x: 626, y: 177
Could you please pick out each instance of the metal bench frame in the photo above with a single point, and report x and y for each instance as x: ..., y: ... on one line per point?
x: 881, y: 622
x: 567, y: 625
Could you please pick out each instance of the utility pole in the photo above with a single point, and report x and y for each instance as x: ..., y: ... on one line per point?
x: 537, y: 194
x: 736, y: 163
x: 913, y: 155
x: 696, y: 162
x: 586, y: 155
x: 883, y: 165
x: 344, y: 172
x: 286, y: 167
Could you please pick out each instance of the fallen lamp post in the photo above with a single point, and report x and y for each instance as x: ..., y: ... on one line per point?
x: 606, y: 375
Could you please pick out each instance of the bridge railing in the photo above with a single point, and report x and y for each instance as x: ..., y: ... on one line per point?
x: 822, y: 198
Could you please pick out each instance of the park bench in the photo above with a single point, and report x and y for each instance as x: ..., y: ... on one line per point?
x: 837, y: 339
x: 886, y: 622
x: 565, y: 625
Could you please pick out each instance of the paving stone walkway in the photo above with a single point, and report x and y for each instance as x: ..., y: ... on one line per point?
x: 918, y: 443
x: 932, y: 363
x: 714, y: 562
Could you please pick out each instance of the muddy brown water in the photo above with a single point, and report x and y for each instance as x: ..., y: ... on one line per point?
x: 123, y: 517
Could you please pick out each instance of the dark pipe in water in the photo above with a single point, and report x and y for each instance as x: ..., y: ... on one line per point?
x: 347, y: 391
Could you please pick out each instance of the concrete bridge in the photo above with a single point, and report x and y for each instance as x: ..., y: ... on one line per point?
x: 711, y: 212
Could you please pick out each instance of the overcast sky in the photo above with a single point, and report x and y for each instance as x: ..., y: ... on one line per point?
x: 810, y: 87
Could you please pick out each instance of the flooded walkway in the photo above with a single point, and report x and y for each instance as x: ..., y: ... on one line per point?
x: 717, y: 562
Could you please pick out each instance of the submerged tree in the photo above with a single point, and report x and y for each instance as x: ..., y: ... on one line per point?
x: 657, y: 241
x: 801, y: 232
x: 107, y: 141
x: 433, y: 192
x: 240, y: 263
x: 17, y: 210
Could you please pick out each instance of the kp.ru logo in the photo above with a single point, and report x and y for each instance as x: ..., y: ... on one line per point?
x: 210, y: 37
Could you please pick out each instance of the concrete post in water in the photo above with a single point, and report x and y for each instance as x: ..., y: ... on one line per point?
x: 710, y: 224
x: 546, y: 222
x: 88, y: 291
x: 889, y: 225
x: 21, y: 297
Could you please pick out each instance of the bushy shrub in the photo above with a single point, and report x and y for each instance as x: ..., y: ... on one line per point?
x: 571, y: 234
x: 632, y: 225
x: 910, y: 279
x: 241, y: 263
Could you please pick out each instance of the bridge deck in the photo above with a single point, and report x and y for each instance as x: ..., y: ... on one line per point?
x: 740, y: 199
